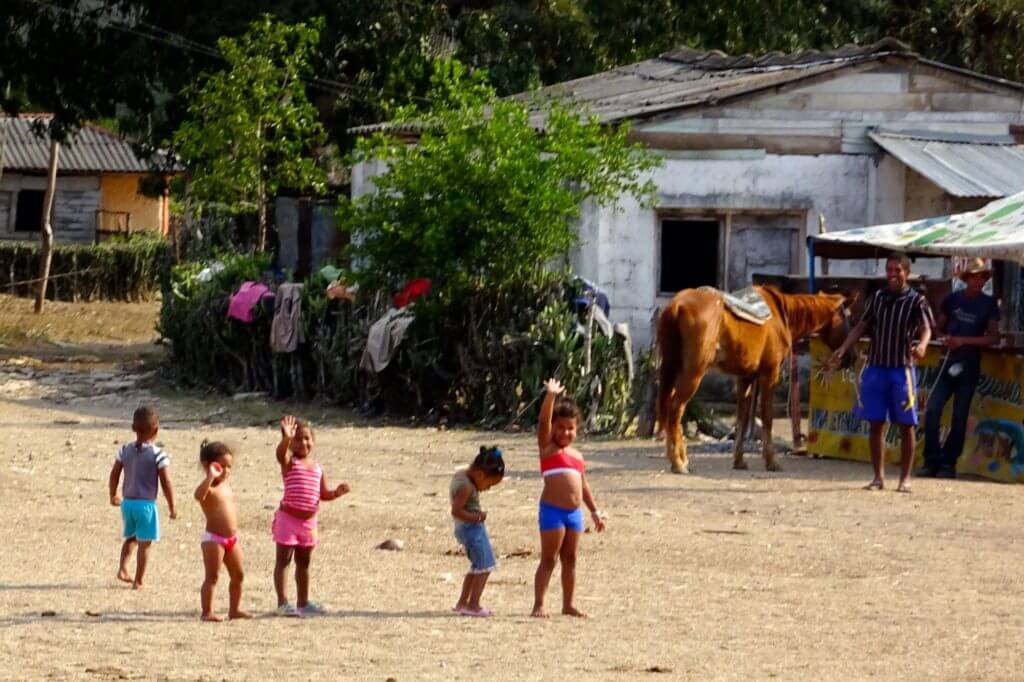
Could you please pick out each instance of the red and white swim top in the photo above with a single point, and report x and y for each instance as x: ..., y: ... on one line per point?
x: 561, y: 462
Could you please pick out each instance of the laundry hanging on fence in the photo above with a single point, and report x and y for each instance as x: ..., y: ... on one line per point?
x: 207, y: 273
x: 591, y: 293
x: 245, y: 299
x: 413, y: 290
x: 383, y: 340
x: 338, y: 289
x: 286, y: 329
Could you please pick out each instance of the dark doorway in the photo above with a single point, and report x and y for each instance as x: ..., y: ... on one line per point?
x: 304, y: 238
x: 689, y: 254
x: 29, y: 211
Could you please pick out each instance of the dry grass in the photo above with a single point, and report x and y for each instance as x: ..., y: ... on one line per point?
x: 62, y: 322
x: 719, y: 575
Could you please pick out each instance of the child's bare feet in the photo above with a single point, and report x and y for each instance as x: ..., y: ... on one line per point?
x: 211, y: 618
x: 539, y: 612
x: 903, y: 487
x: 136, y: 585
x: 239, y: 615
x: 876, y: 484
x: 123, y: 576
x: 573, y: 611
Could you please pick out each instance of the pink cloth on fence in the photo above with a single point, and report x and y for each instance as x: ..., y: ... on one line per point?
x: 245, y: 299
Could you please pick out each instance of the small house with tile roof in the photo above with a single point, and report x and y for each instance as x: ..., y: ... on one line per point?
x: 758, y: 148
x: 97, y: 185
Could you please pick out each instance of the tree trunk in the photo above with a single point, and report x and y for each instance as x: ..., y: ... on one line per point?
x: 3, y: 144
x: 261, y: 200
x: 262, y: 241
x: 46, y: 228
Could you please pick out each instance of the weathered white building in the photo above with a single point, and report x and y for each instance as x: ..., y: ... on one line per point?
x: 97, y: 192
x: 757, y: 148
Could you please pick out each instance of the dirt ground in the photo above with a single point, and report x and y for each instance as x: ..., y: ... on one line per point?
x: 716, y: 575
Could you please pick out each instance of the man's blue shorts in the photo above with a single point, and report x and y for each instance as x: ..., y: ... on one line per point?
x: 473, y: 536
x: 887, y: 394
x: 141, y: 520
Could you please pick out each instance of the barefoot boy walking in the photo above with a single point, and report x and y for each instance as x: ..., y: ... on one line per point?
x: 143, y: 464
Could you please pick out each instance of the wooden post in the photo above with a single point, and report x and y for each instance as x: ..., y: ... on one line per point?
x: 794, y: 404
x: 645, y: 420
x: 3, y: 145
x: 727, y: 245
x: 46, y: 228
x: 823, y: 229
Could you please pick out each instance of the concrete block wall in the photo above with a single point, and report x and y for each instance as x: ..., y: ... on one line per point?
x: 622, y: 254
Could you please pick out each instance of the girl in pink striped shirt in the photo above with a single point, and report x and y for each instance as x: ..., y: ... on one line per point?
x: 294, y: 528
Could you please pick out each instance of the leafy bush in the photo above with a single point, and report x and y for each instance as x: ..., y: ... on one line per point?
x: 207, y: 347
x: 120, y: 270
x: 479, y: 353
x: 474, y: 353
x: 482, y: 194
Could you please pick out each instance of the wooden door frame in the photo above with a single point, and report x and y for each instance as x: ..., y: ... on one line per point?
x: 724, y: 217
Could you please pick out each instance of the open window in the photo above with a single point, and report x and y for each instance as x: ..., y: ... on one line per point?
x: 689, y: 254
x: 29, y: 212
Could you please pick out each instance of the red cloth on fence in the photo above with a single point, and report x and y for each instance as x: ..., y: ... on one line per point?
x: 413, y: 290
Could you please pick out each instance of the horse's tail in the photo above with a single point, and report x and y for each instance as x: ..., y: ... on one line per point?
x: 670, y: 350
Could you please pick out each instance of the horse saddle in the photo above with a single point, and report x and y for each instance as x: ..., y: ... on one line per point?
x: 746, y: 304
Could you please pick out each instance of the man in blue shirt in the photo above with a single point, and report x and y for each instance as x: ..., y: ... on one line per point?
x: 970, y: 320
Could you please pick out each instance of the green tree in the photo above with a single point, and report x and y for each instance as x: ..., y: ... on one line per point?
x: 56, y: 57
x: 482, y: 194
x: 250, y: 128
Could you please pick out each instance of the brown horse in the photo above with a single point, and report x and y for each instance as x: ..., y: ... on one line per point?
x: 696, y: 331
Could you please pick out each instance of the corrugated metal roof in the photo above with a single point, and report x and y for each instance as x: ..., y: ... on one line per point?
x: 92, y: 149
x: 685, y: 78
x: 962, y: 165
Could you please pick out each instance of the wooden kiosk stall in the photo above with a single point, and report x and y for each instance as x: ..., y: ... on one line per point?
x: 995, y: 429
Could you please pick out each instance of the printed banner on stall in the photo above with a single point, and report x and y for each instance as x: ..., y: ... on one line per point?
x: 995, y: 428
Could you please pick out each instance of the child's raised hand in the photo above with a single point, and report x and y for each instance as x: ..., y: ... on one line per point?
x: 342, y: 489
x: 288, y: 427
x: 553, y: 386
x: 214, y: 470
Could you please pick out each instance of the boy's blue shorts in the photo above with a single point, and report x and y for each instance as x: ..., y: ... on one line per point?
x: 887, y: 394
x: 473, y: 536
x: 141, y: 520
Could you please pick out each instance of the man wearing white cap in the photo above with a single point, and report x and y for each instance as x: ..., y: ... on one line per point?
x: 969, y: 319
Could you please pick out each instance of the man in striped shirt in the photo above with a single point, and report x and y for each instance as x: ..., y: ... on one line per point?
x: 899, y: 321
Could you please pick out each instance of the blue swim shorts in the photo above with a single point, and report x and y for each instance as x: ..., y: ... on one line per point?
x: 888, y: 393
x: 473, y: 536
x: 551, y: 517
x: 141, y: 520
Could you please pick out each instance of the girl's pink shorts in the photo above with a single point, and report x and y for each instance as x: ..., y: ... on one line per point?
x: 292, y: 532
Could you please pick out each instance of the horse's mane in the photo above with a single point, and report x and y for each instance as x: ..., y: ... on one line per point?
x: 803, y: 313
